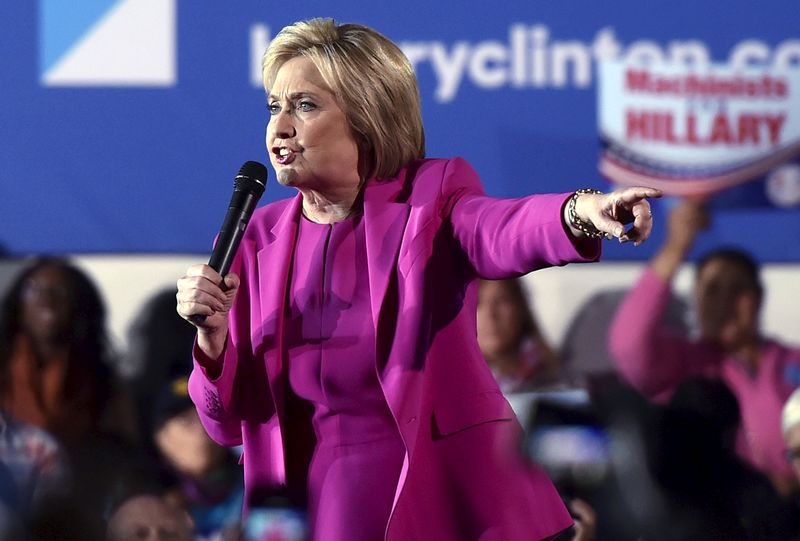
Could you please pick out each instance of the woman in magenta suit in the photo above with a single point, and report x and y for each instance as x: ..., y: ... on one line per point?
x: 341, y: 349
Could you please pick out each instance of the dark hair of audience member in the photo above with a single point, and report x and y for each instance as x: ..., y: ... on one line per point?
x: 747, y: 268
x: 710, y: 412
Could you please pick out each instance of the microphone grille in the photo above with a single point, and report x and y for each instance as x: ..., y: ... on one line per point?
x: 252, y: 176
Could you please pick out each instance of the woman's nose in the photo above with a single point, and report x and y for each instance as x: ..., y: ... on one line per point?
x: 282, y: 125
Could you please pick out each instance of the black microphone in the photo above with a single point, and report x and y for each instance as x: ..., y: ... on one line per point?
x: 248, y: 186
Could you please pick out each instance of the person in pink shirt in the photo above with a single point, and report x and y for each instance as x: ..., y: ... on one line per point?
x: 729, y: 345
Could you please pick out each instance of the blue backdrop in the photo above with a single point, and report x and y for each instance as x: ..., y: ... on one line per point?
x: 105, y: 165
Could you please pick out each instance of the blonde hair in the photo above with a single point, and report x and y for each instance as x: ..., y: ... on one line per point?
x: 373, y: 81
x: 791, y: 412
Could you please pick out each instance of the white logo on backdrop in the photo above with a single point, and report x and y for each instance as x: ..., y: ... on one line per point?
x: 129, y: 43
x: 531, y: 57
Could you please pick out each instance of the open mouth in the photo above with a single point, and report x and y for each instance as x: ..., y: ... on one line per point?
x: 284, y: 155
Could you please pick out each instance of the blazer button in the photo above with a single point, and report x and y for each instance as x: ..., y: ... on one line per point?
x: 411, y: 420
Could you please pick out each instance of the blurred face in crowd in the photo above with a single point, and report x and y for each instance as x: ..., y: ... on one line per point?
x: 793, y: 445
x: 149, y: 518
x: 727, y: 306
x: 309, y: 139
x: 500, y: 319
x: 184, y: 443
x: 45, y: 305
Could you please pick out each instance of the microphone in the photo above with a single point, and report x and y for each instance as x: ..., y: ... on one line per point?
x: 248, y: 186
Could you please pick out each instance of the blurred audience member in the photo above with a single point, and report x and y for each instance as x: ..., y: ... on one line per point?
x: 712, y: 493
x: 521, y: 360
x: 159, y: 349
x: 54, y: 352
x: 35, y: 462
x: 728, y: 293
x: 211, y: 482
x: 56, y: 374
x: 510, y: 340
x: 148, y: 517
x: 678, y: 471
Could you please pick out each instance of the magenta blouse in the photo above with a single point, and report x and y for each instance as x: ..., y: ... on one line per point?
x: 330, y: 347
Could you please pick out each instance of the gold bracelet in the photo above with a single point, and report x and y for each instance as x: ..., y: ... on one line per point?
x: 587, y: 228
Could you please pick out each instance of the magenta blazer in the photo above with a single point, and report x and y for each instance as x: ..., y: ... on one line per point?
x: 431, y: 232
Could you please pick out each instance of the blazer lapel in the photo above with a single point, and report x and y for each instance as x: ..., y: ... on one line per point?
x: 274, y: 262
x: 384, y: 223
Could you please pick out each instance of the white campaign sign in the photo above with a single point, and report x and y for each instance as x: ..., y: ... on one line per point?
x: 696, y: 129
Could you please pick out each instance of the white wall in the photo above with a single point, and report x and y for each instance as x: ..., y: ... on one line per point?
x: 128, y: 281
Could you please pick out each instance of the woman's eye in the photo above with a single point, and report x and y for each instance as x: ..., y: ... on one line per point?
x: 306, y: 106
x: 274, y: 108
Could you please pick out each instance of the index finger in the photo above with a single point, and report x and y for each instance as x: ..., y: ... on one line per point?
x: 637, y: 193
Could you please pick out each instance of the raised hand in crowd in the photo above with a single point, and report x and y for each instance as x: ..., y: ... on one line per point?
x: 686, y: 220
